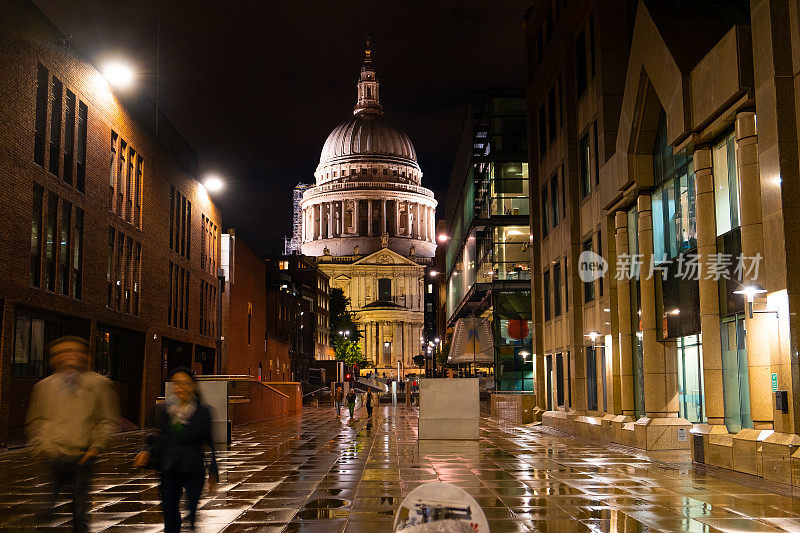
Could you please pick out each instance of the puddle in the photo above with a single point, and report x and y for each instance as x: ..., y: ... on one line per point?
x: 327, y: 503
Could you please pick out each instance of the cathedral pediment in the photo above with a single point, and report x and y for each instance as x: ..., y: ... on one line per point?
x: 385, y: 256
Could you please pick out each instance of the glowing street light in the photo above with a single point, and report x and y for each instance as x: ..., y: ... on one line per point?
x: 214, y: 184
x: 118, y: 74
x: 750, y: 291
x: 433, y: 273
x: 443, y: 237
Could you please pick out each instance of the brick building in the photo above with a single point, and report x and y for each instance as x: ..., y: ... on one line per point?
x: 108, y: 234
x: 299, y: 276
x: 256, y: 319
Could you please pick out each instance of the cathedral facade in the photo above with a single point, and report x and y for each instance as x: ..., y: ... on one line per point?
x: 371, y: 225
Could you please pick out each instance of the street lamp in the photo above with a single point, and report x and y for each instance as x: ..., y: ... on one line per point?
x: 214, y: 184
x: 433, y: 273
x: 750, y: 291
x: 443, y: 237
x: 118, y: 74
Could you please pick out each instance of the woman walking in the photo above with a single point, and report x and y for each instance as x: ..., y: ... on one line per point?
x: 177, y: 450
x: 368, y: 403
x: 351, y: 401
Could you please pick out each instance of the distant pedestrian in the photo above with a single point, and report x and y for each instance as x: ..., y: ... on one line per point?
x: 368, y: 403
x: 71, y: 418
x: 338, y: 396
x: 351, y: 401
x: 177, y: 451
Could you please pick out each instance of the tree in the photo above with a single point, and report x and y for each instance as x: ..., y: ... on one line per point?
x: 348, y: 352
x: 419, y: 360
x: 341, y: 318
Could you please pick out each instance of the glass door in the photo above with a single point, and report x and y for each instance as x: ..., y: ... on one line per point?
x: 735, y: 381
x: 690, y: 379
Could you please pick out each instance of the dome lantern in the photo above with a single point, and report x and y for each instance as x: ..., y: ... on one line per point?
x: 368, y: 99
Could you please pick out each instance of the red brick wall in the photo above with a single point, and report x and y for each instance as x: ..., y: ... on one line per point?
x: 26, y: 39
x: 264, y: 403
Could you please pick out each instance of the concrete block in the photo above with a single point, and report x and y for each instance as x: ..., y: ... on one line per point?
x: 745, y: 450
x: 719, y: 450
x: 449, y: 408
x: 776, y: 453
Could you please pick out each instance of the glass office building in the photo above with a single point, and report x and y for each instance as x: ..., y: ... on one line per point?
x: 488, y: 258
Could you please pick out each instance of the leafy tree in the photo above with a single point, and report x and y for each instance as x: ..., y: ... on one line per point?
x: 341, y: 318
x: 419, y: 360
x: 349, y: 352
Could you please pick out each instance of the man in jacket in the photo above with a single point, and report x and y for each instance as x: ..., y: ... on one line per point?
x: 72, y: 415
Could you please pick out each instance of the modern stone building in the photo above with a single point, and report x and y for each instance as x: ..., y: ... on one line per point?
x: 671, y: 152
x: 371, y: 225
x: 108, y: 234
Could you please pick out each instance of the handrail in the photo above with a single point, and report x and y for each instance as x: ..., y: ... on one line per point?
x: 367, y: 185
x: 248, y: 378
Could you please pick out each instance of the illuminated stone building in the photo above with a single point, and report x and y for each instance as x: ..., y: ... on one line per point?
x: 651, y: 149
x: 371, y: 226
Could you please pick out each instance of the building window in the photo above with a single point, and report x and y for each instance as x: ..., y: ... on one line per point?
x: 180, y: 223
x: 29, y: 341
x: 584, y: 162
x: 283, y: 265
x: 64, y: 248
x: 580, y: 63
x: 40, y: 123
x: 80, y: 168
x: 178, y: 315
x: 726, y: 185
x: 546, y: 293
x: 137, y: 193
x: 69, y: 136
x: 563, y: 195
x: 557, y: 289
x: 77, y: 255
x: 56, y: 101
x: 545, y: 201
x: 36, y: 235
x: 566, y: 286
x: 554, y: 199
x: 385, y: 289
x: 588, y: 286
x: 596, y: 155
x: 49, y: 242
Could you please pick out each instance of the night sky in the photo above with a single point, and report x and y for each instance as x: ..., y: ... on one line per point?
x: 256, y: 86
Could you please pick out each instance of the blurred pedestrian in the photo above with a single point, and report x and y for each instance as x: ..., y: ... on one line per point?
x: 72, y: 415
x: 338, y: 397
x: 177, y: 450
x: 351, y: 401
x: 368, y: 403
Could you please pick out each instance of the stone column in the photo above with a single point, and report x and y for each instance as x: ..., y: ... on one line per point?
x: 626, y: 340
x: 329, y: 209
x: 383, y: 216
x: 759, y: 361
x: 369, y: 218
x: 705, y: 210
x: 355, y: 216
x: 433, y: 224
x: 316, y: 215
x: 660, y: 375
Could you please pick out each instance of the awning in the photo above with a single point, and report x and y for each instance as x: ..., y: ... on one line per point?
x: 472, y: 341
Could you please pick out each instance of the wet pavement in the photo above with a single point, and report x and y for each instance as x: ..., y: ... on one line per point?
x: 317, y: 473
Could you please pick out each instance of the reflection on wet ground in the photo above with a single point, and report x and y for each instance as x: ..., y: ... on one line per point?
x: 318, y: 473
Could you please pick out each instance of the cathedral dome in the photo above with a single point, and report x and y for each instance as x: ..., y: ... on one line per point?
x: 366, y: 136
